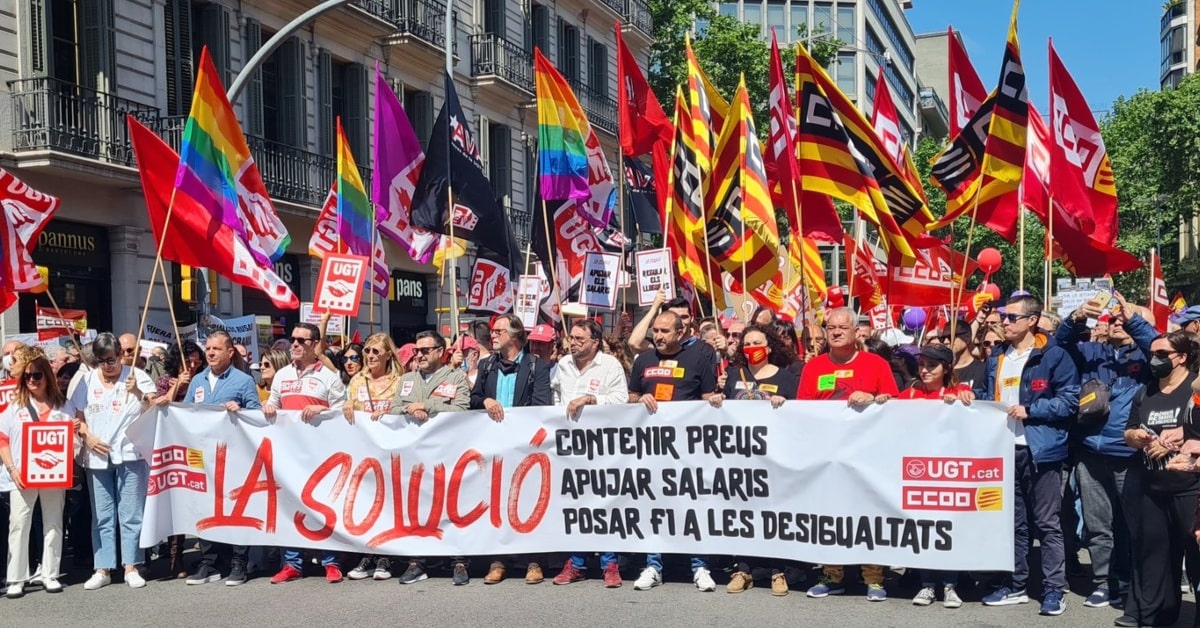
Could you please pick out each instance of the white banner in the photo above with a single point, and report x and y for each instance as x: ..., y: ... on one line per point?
x: 914, y: 483
x: 654, y: 274
x: 529, y: 293
x: 600, y: 280
x: 337, y: 324
x: 243, y: 330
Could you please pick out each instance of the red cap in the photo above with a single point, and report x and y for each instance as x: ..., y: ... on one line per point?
x: 1104, y: 318
x: 466, y: 343
x: 405, y: 353
x: 542, y: 333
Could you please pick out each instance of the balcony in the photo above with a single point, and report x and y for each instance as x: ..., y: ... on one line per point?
x: 934, y: 114
x: 637, y: 14
x: 420, y: 20
x: 601, y: 110
x: 495, y: 59
x: 617, y: 6
x: 58, y: 116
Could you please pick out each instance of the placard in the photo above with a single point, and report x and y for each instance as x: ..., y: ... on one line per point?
x: 336, y: 326
x: 47, y: 458
x: 340, y: 284
x: 600, y: 280
x: 654, y: 274
x: 529, y: 294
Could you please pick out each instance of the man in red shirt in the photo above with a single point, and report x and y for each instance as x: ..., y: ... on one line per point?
x: 860, y: 378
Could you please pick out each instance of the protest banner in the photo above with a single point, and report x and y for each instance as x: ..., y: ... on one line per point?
x: 529, y: 295
x: 340, y: 284
x: 915, y: 483
x: 47, y: 454
x: 161, y: 330
x: 243, y: 330
x: 8, y: 390
x: 337, y: 324
x: 600, y: 280
x: 53, y: 324
x: 654, y: 274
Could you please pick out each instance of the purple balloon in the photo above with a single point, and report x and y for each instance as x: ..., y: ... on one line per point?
x: 913, y: 318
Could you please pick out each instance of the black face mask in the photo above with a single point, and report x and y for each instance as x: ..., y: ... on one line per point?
x: 1161, y: 367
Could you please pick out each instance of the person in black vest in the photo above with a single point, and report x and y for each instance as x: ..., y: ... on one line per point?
x: 511, y: 378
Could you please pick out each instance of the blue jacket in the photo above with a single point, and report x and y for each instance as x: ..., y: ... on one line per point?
x: 232, y: 385
x: 1123, y: 369
x: 1050, y: 394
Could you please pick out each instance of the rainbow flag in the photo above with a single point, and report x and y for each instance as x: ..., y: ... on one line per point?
x: 562, y: 135
x: 355, y: 215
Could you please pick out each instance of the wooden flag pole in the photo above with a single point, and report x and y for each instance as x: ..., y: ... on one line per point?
x: 75, y: 339
x: 170, y: 308
x: 1048, y: 264
x: 562, y: 317
x: 371, y: 274
x: 141, y: 330
x: 962, y: 282
x: 452, y: 261
x: 1021, y: 251
x: 621, y: 228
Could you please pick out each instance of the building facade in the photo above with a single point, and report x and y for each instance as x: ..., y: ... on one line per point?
x: 1178, y: 42
x: 71, y: 70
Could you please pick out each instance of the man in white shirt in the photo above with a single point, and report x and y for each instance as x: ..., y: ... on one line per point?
x: 587, y: 377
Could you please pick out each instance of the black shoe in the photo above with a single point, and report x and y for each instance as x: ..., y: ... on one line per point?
x: 1126, y: 620
x: 461, y: 576
x: 413, y: 574
x: 237, y: 575
x: 204, y: 575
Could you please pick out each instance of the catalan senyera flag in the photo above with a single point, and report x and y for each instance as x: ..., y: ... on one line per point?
x: 355, y: 214
x: 562, y: 132
x: 215, y: 164
x: 708, y: 111
x: 980, y: 171
x: 841, y: 156
x: 740, y: 227
x: 1081, y: 173
x: 684, y: 208
x: 1178, y: 304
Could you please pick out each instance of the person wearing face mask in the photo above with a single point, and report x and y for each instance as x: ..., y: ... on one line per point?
x: 6, y: 363
x: 1161, y: 504
x: 759, y: 371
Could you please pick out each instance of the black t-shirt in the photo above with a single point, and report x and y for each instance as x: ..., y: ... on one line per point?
x: 1161, y: 412
x: 974, y: 375
x: 681, y: 377
x: 741, y: 384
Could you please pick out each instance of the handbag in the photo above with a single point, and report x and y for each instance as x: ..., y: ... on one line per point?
x: 1093, y: 403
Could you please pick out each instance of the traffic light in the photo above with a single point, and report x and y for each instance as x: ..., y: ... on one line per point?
x: 196, y: 283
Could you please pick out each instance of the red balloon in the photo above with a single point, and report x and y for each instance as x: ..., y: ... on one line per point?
x: 992, y: 289
x: 989, y: 260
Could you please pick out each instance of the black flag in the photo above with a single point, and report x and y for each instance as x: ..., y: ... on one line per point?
x: 641, y: 196
x: 453, y: 162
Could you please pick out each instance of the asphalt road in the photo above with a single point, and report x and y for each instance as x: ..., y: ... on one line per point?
x: 435, y: 602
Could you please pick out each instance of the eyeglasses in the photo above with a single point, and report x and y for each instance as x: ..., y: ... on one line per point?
x: 353, y: 358
x: 579, y: 339
x: 112, y: 361
x: 302, y: 341
x: 426, y: 350
x: 1012, y: 318
x: 497, y: 332
x: 1163, y: 354
x: 126, y: 351
x: 33, y: 376
x: 372, y: 351
x: 988, y: 344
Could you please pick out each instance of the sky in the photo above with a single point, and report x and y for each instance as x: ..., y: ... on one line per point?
x: 1111, y: 47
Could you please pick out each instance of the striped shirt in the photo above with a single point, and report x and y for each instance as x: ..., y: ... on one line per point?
x: 315, y: 386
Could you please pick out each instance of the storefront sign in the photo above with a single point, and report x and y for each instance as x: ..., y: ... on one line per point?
x: 408, y: 294
x: 72, y: 244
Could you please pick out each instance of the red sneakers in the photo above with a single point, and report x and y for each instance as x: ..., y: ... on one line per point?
x: 569, y: 574
x: 333, y: 573
x: 287, y: 573
x: 612, y: 576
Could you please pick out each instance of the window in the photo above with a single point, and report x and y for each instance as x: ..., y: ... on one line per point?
x: 869, y: 88
x: 752, y: 14
x: 500, y: 162
x: 799, y: 17
x: 177, y: 32
x: 568, y: 51
x: 419, y: 107
x: 822, y: 18
x: 598, y: 67
x: 493, y: 16
x: 846, y: 27
x: 283, y: 100
x: 844, y: 73
x: 539, y: 30
x: 729, y: 8
x: 901, y: 53
x: 777, y: 19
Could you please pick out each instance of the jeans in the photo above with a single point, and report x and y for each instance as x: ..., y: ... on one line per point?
x: 295, y: 558
x: 1101, y: 484
x: 930, y: 577
x: 118, y: 498
x: 871, y: 574
x: 655, y: 561
x: 1037, y: 490
x: 20, y: 523
x: 606, y: 558
x: 211, y: 552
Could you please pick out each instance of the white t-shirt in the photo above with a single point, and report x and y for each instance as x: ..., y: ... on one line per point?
x: 604, y: 378
x: 1008, y: 382
x: 109, y: 412
x: 10, y: 425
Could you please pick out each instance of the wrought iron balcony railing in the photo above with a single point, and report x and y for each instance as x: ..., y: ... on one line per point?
x: 50, y: 114
x: 601, y: 110
x: 493, y: 55
x: 425, y: 19
x: 637, y: 13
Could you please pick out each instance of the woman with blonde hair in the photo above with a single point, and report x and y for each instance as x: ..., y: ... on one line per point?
x: 37, y: 398
x: 272, y: 361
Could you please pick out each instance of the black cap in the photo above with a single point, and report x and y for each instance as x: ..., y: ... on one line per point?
x: 941, y: 353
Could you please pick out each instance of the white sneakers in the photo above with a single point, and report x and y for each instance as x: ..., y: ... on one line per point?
x: 51, y: 585
x: 648, y: 579
x: 98, y: 580
x: 134, y: 579
x: 703, y: 580
x: 15, y: 591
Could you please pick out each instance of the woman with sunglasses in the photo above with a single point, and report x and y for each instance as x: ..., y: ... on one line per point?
x: 1161, y: 504
x: 351, y: 361
x: 936, y: 380
x: 109, y: 399
x: 37, y: 398
x: 272, y: 361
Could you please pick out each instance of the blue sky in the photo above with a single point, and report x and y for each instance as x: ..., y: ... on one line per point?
x: 1111, y: 47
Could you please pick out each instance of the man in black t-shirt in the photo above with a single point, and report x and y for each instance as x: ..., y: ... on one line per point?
x: 672, y: 372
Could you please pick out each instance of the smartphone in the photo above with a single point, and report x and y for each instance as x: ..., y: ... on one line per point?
x: 1104, y: 298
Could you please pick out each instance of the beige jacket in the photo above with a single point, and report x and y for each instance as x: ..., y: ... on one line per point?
x: 446, y: 391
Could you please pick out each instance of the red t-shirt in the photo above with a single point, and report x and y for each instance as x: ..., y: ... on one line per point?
x: 822, y: 379
x: 919, y: 393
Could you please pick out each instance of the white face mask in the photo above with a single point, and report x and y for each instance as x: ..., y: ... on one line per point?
x: 7, y: 362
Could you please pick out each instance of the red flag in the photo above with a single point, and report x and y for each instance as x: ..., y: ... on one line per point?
x: 640, y: 119
x: 26, y: 212
x: 196, y: 237
x: 58, y: 323
x: 1158, y: 293
x: 810, y: 215
x: 325, y: 239
x: 1079, y: 165
x: 887, y: 127
x: 867, y: 286
x: 966, y: 89
x: 933, y: 280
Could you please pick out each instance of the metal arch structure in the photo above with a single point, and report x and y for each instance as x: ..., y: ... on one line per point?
x: 239, y: 83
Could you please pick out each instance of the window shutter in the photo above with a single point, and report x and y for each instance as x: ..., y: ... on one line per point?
x: 325, y: 122
x: 294, y: 125
x: 540, y: 30
x: 35, y: 56
x: 97, y: 54
x: 483, y: 142
x: 214, y: 33
x: 254, y: 89
x: 419, y: 107
x: 494, y: 19
x: 600, y: 84
x: 357, y: 118
x: 177, y: 26
x: 500, y: 172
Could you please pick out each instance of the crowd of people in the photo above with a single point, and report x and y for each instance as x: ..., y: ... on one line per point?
x: 1100, y: 406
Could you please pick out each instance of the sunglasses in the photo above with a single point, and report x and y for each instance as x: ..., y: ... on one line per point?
x: 112, y: 361
x: 302, y: 341
x: 267, y: 365
x: 33, y: 376
x: 353, y: 358
x: 1012, y: 318
x: 373, y: 351
x: 126, y: 351
x: 1163, y: 354
x: 988, y: 344
x: 426, y: 350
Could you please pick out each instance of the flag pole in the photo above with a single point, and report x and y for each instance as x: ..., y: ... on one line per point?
x: 621, y: 228
x: 141, y: 330
x: 1048, y: 264
x: 962, y: 282
x: 170, y: 307
x: 452, y: 262
x: 371, y: 274
x: 562, y: 317
x: 74, y: 337
x: 708, y: 278
x: 1021, y: 250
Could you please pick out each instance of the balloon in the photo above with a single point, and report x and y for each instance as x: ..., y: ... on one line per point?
x: 992, y: 289
x: 989, y: 260
x: 913, y: 318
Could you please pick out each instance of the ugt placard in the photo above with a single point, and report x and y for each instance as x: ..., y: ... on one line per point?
x: 47, y: 449
x: 340, y: 285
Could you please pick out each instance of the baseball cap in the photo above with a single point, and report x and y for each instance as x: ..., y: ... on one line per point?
x: 466, y: 343
x: 941, y: 353
x: 405, y: 353
x: 542, y: 333
x: 1189, y: 314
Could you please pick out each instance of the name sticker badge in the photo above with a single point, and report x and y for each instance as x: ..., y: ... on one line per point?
x: 406, y: 388
x: 446, y: 390
x: 664, y: 392
x: 843, y: 373
x: 593, y: 387
x: 199, y: 395
x: 827, y: 382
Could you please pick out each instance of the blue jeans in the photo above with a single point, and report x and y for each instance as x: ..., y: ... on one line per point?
x: 580, y: 560
x: 118, y: 498
x: 295, y: 558
x: 929, y: 577
x: 655, y: 561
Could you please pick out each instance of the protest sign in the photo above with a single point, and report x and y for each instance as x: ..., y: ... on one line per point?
x: 340, y: 284
x: 56, y: 323
x: 922, y: 484
x: 529, y: 295
x: 47, y: 454
x: 243, y: 330
x: 600, y: 280
x: 654, y: 274
x: 337, y: 324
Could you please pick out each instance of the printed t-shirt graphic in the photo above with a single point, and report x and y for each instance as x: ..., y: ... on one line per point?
x: 684, y: 376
